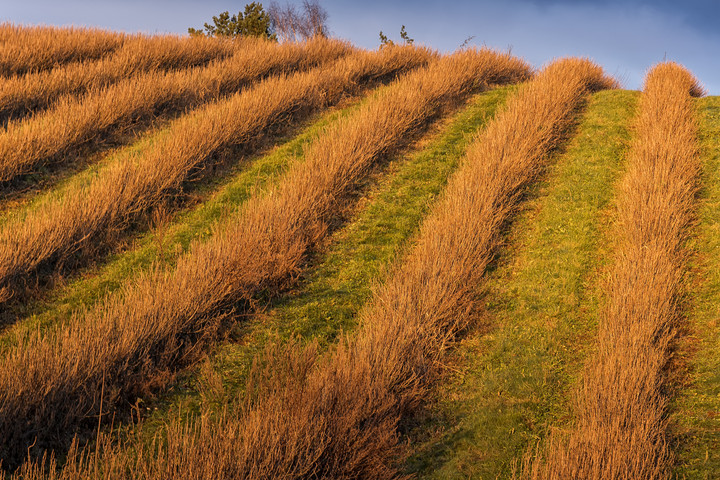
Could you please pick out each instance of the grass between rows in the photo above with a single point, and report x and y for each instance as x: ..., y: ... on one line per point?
x: 172, y: 234
x: 332, y: 292
x: 516, y: 375
x: 696, y: 411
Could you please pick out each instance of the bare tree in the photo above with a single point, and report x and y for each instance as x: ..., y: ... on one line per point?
x: 315, y: 18
x: 293, y: 25
x: 284, y: 20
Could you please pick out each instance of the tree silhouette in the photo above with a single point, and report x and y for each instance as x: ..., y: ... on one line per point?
x: 254, y: 22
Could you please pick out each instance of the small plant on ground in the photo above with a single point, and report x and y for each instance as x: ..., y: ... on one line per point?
x: 384, y: 40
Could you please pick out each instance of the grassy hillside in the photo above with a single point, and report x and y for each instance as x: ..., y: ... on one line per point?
x: 512, y: 374
x: 306, y: 260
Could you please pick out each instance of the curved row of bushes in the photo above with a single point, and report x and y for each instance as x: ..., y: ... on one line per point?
x: 21, y: 95
x: 620, y: 428
x: 47, y: 137
x: 50, y: 383
x: 29, y: 49
x: 83, y: 214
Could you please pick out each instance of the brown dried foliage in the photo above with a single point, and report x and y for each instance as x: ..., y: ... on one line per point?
x: 23, y: 94
x: 337, y: 416
x: 50, y: 384
x: 621, y: 429
x: 28, y: 49
x: 73, y: 121
x: 126, y: 188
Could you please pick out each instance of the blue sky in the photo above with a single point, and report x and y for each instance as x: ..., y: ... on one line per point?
x: 626, y: 37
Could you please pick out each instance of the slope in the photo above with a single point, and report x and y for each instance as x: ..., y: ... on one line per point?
x: 510, y: 376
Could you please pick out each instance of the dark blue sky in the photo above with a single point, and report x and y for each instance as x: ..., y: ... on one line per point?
x: 626, y: 37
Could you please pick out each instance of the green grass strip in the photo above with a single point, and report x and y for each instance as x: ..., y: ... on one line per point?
x: 331, y: 294
x: 697, y: 409
x: 541, y: 314
x: 161, y: 247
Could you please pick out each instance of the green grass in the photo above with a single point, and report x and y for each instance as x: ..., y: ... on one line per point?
x: 516, y: 376
x: 163, y: 245
x: 332, y: 292
x: 696, y: 413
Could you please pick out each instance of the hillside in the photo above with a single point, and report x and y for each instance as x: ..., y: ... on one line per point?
x: 306, y: 260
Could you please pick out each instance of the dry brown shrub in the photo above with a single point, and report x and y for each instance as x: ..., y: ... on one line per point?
x: 27, y: 49
x: 50, y: 384
x: 116, y: 195
x: 92, y: 117
x: 339, y: 419
x: 621, y: 417
x: 336, y: 416
x: 23, y: 94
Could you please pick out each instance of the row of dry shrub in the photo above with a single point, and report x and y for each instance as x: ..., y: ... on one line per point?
x: 73, y: 121
x: 23, y: 94
x: 51, y: 384
x: 621, y: 417
x: 337, y: 416
x: 28, y: 49
x: 84, y: 213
